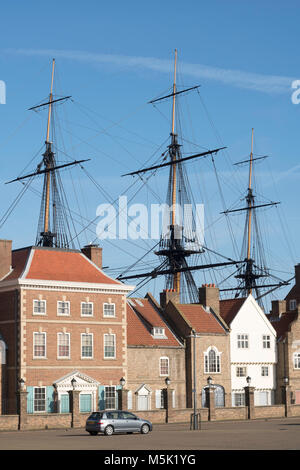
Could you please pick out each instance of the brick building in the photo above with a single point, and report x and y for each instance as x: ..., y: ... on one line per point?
x: 61, y: 318
x: 285, y: 319
x: 207, y: 342
x: 154, y: 353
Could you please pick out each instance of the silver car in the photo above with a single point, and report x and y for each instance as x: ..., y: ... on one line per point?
x: 111, y: 421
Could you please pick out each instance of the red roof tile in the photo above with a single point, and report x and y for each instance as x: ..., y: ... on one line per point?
x: 229, y: 308
x: 201, y: 320
x: 56, y: 265
x: 140, y: 320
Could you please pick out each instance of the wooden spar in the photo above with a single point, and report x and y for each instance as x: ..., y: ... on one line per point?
x: 48, y: 174
x: 174, y: 153
x: 176, y: 277
x: 250, y: 203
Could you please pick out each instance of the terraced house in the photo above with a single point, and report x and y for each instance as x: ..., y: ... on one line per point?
x: 61, y: 319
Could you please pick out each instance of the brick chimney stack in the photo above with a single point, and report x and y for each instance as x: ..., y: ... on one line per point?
x: 5, y: 257
x: 297, y: 274
x: 169, y: 294
x: 94, y: 253
x: 278, y: 308
x: 209, y: 296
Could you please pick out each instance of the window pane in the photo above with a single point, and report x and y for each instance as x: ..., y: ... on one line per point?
x: 40, y: 399
x: 109, y: 310
x: 164, y: 366
x: 63, y: 345
x: 87, y: 308
x: 63, y: 308
x: 110, y: 397
x: 39, y: 344
x: 87, y: 345
x: 39, y: 306
x: 109, y: 346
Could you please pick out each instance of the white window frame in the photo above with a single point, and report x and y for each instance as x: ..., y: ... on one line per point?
x: 89, y: 315
x: 266, y: 341
x: 87, y: 357
x: 218, y: 354
x: 110, y: 304
x: 163, y: 358
x: 115, y: 396
x: 240, y: 397
x: 69, y: 336
x: 63, y: 314
x: 296, y: 360
x: 34, y: 400
x: 238, y: 369
x: 33, y: 307
x: 242, y: 339
x: 293, y: 304
x: 115, y: 345
x: 263, y: 370
x: 45, y: 336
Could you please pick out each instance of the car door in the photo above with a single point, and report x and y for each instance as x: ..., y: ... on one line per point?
x: 116, y: 420
x: 131, y: 422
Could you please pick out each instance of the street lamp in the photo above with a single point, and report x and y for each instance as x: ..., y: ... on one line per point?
x: 168, y: 381
x: 209, y: 381
x: 73, y: 383
x: 22, y: 384
x: 285, y: 380
x: 122, y: 382
x: 248, y: 380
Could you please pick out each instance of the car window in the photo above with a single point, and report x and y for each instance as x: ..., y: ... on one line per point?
x: 127, y: 415
x: 95, y: 416
x: 112, y: 415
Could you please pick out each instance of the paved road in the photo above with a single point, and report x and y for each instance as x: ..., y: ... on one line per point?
x: 279, y: 434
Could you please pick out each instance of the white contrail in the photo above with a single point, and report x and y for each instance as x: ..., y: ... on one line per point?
x: 253, y: 81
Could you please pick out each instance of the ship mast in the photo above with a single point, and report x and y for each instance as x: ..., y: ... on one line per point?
x: 178, y: 243
x: 53, y: 227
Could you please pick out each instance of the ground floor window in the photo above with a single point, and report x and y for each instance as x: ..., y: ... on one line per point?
x: 239, y: 399
x: 39, y: 399
x: 110, y: 397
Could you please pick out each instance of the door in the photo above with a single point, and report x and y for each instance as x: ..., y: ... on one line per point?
x: 263, y: 398
x: 297, y: 397
x: 131, y: 422
x: 85, y: 402
x: 143, y: 402
x: 219, y: 396
x: 64, y: 403
x: 116, y: 421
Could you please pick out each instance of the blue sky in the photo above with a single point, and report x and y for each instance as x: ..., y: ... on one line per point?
x: 113, y: 57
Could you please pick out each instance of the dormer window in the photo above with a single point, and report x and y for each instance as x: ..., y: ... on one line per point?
x: 158, y: 332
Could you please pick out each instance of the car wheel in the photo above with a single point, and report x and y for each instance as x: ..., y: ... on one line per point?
x: 109, y: 430
x: 93, y: 433
x: 145, y: 429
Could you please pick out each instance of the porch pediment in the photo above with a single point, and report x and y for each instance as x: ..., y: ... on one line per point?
x: 143, y: 390
x: 82, y: 381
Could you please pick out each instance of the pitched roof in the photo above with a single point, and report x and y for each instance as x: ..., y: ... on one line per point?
x: 230, y: 307
x: 281, y: 326
x: 52, y: 264
x: 200, y: 319
x: 142, y: 316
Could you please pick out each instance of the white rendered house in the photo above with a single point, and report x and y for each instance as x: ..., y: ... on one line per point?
x: 252, y: 349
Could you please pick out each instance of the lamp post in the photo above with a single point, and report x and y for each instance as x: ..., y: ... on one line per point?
x: 248, y: 379
x: 73, y: 383
x: 168, y: 381
x: 122, y: 382
x: 21, y: 385
x: 209, y: 381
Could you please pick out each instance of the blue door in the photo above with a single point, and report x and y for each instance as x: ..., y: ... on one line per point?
x: 85, y: 402
x: 64, y: 403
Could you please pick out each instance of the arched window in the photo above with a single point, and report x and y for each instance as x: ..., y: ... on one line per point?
x: 212, y: 361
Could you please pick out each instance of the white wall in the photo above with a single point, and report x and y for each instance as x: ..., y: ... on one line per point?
x: 251, y: 320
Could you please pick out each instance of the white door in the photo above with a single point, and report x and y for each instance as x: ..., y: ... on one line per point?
x: 263, y: 399
x: 143, y: 402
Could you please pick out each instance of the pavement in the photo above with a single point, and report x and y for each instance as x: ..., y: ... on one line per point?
x: 268, y: 434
